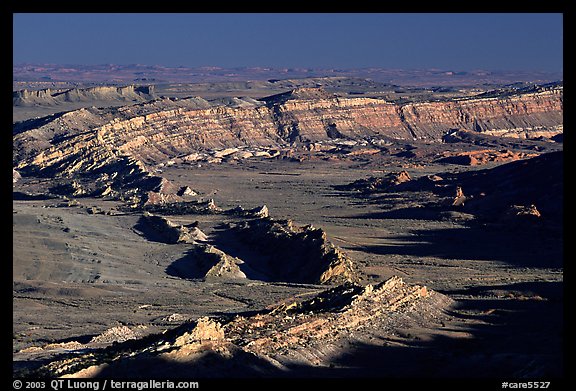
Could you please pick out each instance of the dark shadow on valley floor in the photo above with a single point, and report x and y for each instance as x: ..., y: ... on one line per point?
x: 409, y: 213
x: 519, y: 337
x: 516, y: 247
x: 144, y: 229
x: 188, y: 267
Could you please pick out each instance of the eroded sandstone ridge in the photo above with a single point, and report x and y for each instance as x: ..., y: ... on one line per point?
x: 127, y: 145
x: 184, y: 126
x: 296, y: 254
x: 270, y: 250
x: 50, y: 97
x: 272, y: 342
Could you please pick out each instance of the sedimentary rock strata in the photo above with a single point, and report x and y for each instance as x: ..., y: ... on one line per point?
x: 50, y: 97
x: 87, y: 140
x: 270, y: 342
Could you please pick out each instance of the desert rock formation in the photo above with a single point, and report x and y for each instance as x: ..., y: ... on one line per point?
x: 271, y: 250
x: 211, y: 262
x: 117, y: 147
x: 172, y: 233
x: 480, y: 157
x: 163, y: 131
x: 49, y: 97
x: 134, y: 213
x: 375, y: 184
x: 297, y: 254
x: 275, y: 341
x: 15, y: 176
x: 522, y: 190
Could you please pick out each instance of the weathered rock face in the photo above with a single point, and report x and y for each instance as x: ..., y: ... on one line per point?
x: 309, y: 333
x: 459, y: 198
x: 324, y: 317
x: 154, y: 132
x: 215, y: 263
x: 270, y: 250
x: 522, y: 116
x: 296, y: 254
x: 321, y: 119
x: 206, y: 329
x: 205, y: 261
x: 128, y: 139
x: 49, y: 97
x: 15, y: 176
x: 159, y: 136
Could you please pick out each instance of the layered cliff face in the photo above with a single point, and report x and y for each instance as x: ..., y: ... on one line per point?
x: 523, y: 116
x: 89, y: 140
x: 159, y: 136
x: 315, y: 120
x: 50, y: 97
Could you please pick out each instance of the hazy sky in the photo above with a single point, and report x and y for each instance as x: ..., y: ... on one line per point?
x: 506, y: 41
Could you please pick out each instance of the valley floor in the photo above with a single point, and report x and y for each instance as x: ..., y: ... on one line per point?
x: 77, y: 273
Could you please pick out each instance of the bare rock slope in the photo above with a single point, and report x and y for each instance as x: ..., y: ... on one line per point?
x: 118, y: 146
x: 287, y: 339
x: 50, y: 97
x: 159, y: 130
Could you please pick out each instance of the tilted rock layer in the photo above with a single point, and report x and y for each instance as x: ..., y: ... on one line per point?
x: 153, y: 132
x: 90, y: 141
x: 289, y: 336
x: 49, y: 97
